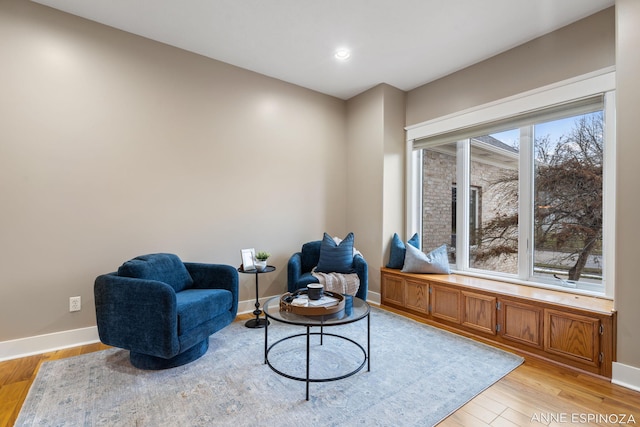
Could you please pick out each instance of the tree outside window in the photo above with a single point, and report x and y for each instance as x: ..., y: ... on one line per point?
x: 568, y: 195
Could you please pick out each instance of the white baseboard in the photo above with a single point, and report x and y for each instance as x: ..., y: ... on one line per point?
x: 39, y: 344
x: 626, y: 376
x: 373, y: 298
x: 248, y: 306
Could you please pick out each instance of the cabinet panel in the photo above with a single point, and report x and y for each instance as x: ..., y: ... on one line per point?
x: 417, y: 295
x: 393, y: 290
x: 572, y: 335
x: 479, y: 312
x: 445, y: 303
x: 521, y: 323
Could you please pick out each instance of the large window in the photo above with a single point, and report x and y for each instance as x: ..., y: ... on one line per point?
x: 524, y: 196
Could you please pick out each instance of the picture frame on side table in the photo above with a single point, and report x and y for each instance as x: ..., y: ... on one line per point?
x: 248, y: 257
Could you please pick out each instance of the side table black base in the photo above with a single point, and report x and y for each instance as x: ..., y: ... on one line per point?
x: 256, y: 323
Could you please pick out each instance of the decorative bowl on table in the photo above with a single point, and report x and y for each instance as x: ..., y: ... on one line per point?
x: 299, y: 303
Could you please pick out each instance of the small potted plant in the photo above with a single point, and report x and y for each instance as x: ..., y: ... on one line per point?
x: 261, y: 260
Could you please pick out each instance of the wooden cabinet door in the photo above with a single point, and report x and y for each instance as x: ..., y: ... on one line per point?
x: 479, y: 312
x: 417, y: 295
x: 445, y: 303
x: 521, y: 323
x: 392, y: 290
x: 572, y: 335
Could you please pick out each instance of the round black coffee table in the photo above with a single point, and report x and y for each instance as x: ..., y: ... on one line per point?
x: 359, y: 311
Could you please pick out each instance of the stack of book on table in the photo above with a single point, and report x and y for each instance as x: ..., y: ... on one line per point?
x: 304, y: 301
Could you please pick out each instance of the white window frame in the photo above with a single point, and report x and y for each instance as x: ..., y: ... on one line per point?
x: 473, y: 193
x: 598, y: 82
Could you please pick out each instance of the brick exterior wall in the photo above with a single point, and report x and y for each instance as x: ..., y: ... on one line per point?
x: 439, y: 177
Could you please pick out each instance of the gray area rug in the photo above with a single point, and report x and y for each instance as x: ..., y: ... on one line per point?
x: 419, y: 375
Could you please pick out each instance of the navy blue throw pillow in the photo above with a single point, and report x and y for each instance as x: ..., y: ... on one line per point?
x: 336, y: 258
x: 398, y: 250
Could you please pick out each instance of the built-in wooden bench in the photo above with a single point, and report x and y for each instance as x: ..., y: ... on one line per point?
x: 573, y: 330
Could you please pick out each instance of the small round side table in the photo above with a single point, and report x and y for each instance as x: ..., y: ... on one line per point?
x: 257, y: 322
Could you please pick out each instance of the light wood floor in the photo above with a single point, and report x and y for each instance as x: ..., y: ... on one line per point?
x: 536, y: 393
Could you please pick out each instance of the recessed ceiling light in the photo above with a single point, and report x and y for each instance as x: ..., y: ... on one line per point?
x: 342, y: 54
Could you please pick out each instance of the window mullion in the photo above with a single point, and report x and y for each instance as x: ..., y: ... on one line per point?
x: 414, y: 191
x: 463, y: 174
x: 525, y: 204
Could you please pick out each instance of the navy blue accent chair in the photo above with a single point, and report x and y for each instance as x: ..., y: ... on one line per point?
x: 301, y: 263
x: 163, y: 310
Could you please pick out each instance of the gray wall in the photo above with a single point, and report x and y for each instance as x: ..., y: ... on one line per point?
x: 112, y: 146
x: 627, y: 295
x: 375, y: 178
x: 573, y: 50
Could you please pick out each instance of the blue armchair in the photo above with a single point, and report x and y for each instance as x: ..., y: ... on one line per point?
x: 164, y: 310
x: 301, y: 263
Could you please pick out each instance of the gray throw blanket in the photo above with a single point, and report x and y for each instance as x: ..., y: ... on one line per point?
x: 347, y: 284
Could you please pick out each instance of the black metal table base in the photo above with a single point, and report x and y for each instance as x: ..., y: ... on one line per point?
x: 256, y: 323
x: 365, y: 361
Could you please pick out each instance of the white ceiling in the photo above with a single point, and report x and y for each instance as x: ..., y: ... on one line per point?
x: 404, y: 43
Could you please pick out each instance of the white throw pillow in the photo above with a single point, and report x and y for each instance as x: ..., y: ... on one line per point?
x: 436, y: 261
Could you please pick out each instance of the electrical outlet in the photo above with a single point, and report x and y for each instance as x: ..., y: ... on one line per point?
x: 75, y: 304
